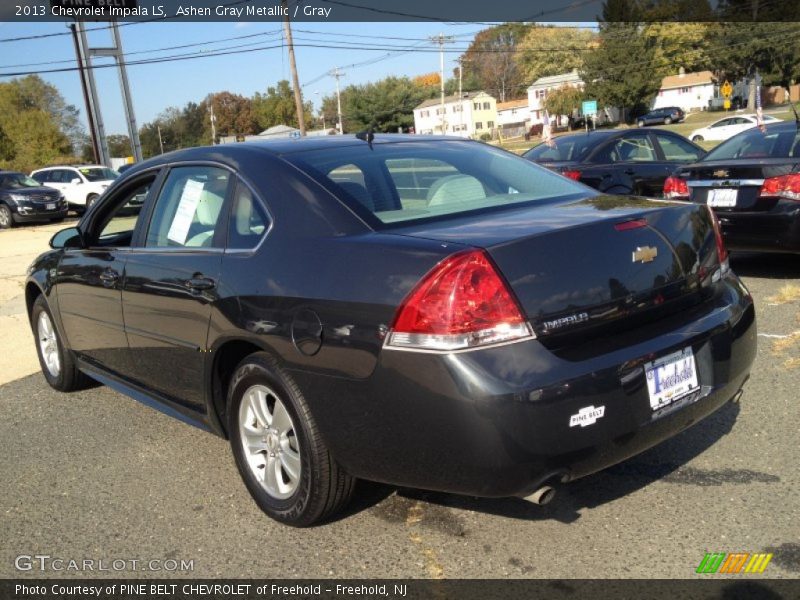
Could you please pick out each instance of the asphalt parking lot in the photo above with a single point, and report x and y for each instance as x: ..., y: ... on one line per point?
x: 95, y: 475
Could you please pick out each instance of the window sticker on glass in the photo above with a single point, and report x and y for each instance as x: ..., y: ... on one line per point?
x: 190, y: 198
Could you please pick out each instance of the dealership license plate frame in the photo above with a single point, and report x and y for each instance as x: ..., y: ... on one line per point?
x: 678, y: 361
x: 722, y: 197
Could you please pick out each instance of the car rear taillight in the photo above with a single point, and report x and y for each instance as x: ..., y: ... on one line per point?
x: 675, y: 187
x: 784, y: 186
x: 722, y: 251
x: 461, y: 303
x: 572, y: 174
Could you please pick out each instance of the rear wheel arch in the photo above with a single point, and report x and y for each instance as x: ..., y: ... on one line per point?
x: 224, y: 361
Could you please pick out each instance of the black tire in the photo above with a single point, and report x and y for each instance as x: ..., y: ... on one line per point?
x: 57, y: 220
x: 6, y: 217
x: 323, y: 488
x: 69, y: 377
x: 641, y: 123
x: 668, y: 121
x: 697, y: 138
x: 91, y: 199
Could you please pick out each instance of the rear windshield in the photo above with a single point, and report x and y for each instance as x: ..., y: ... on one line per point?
x: 753, y: 143
x: 409, y: 181
x: 570, y: 147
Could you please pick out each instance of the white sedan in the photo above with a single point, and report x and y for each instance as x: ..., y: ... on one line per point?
x: 728, y: 127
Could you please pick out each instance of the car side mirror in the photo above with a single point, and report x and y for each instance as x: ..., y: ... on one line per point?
x: 70, y: 237
x: 76, y: 181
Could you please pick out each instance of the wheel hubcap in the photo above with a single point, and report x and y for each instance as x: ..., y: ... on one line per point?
x: 3, y: 217
x: 48, y: 344
x: 269, y: 441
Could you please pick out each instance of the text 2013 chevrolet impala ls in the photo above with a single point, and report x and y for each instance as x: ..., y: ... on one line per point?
x: 426, y: 312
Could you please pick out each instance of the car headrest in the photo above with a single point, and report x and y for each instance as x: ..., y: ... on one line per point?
x: 455, y: 188
x: 207, y: 211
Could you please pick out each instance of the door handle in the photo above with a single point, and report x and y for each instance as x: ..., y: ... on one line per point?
x: 109, y: 277
x: 630, y: 172
x: 200, y: 284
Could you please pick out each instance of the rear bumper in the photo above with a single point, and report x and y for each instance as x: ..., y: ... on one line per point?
x: 777, y: 230
x: 496, y: 422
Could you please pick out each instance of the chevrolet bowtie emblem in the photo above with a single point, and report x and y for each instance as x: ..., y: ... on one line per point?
x: 721, y: 173
x: 645, y: 254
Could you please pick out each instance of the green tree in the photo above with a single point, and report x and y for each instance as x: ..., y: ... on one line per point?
x: 119, y: 146
x: 553, y: 50
x: 682, y: 44
x: 492, y: 59
x: 277, y: 107
x: 564, y: 100
x: 608, y: 73
x: 233, y: 113
x: 386, y: 105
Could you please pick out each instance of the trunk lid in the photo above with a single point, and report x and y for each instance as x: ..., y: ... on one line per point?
x: 734, y: 185
x: 606, y: 261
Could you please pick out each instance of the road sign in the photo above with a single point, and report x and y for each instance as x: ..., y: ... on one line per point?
x: 726, y: 104
x: 726, y: 90
x: 589, y: 108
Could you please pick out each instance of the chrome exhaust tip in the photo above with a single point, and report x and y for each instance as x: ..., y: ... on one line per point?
x: 542, y: 496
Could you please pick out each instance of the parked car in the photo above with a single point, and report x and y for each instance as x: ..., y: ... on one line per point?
x: 752, y: 182
x: 80, y: 185
x: 621, y: 161
x: 432, y: 313
x: 728, y: 127
x: 22, y: 200
x: 661, y: 116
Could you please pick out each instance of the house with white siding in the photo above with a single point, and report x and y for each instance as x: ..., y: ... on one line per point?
x: 469, y: 116
x: 540, y: 88
x: 689, y: 91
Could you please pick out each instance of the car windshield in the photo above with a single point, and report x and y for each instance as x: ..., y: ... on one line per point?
x: 16, y: 181
x: 754, y: 143
x: 403, y: 182
x: 570, y: 147
x: 98, y: 173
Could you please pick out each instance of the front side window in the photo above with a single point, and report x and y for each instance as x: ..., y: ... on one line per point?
x: 414, y: 181
x: 634, y: 148
x: 189, y: 208
x: 16, y: 181
x: 98, y: 173
x: 122, y: 212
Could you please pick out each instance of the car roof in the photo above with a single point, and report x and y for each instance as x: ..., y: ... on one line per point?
x: 2, y: 172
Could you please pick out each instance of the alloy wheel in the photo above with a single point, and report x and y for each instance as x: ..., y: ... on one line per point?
x: 48, y: 344
x: 269, y: 441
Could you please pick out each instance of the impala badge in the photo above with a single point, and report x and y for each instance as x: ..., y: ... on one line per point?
x: 645, y: 254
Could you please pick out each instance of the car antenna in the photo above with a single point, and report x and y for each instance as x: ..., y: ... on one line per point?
x: 366, y: 136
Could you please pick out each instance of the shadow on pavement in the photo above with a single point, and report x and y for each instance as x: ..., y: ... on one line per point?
x: 766, y: 266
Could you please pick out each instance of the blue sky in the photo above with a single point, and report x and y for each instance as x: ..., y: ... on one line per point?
x: 158, y: 86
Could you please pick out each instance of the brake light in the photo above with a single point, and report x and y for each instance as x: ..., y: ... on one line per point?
x: 722, y: 251
x: 785, y: 186
x: 632, y: 224
x: 572, y: 174
x: 675, y: 187
x: 461, y: 303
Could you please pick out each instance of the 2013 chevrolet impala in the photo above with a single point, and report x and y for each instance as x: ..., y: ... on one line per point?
x: 426, y: 312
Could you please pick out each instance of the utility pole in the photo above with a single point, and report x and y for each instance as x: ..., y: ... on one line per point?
x: 442, y: 39
x: 86, y: 101
x: 160, y: 141
x: 298, y: 95
x: 213, y: 121
x: 460, y: 95
x: 96, y: 118
x: 336, y: 74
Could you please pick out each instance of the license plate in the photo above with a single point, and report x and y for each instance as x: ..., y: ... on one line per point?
x: 51, y: 206
x: 670, y: 378
x: 725, y: 198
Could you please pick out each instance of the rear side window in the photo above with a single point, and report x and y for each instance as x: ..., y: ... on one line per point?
x: 189, y: 208
x: 248, y: 222
x: 632, y: 148
x: 573, y: 147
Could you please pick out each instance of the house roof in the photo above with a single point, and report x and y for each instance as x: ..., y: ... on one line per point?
x: 571, y: 77
x: 512, y: 104
x: 450, y: 99
x: 687, y: 80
